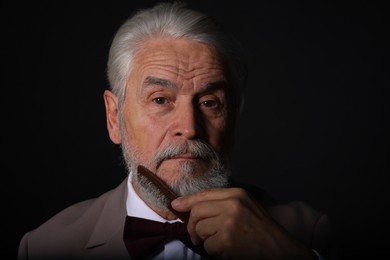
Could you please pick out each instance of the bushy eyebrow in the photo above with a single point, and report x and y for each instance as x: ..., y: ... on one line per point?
x: 153, y: 81
x: 158, y: 81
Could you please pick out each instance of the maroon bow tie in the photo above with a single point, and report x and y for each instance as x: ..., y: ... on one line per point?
x: 143, y: 237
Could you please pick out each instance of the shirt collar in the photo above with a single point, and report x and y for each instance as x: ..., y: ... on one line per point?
x: 136, y: 207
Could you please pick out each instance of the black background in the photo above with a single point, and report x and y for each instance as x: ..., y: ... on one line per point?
x: 314, y: 127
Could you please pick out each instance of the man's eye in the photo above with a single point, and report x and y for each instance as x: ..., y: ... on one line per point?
x: 209, y: 103
x: 160, y: 100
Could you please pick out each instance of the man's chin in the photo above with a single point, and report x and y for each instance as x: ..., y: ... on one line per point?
x: 174, y: 170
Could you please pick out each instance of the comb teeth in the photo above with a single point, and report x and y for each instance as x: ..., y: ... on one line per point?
x: 164, y: 189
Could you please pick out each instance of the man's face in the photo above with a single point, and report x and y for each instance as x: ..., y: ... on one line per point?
x: 175, y: 95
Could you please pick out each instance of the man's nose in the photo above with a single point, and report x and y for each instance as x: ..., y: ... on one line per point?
x: 187, y: 122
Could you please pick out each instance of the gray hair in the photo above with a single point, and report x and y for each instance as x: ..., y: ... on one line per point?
x: 172, y: 19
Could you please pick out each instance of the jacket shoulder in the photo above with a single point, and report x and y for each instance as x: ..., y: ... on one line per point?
x: 74, y: 223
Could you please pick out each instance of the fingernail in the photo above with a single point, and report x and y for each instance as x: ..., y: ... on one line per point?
x: 176, y: 202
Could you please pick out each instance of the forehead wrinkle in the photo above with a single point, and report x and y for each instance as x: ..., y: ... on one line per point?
x: 203, y: 68
x: 212, y: 73
x: 190, y: 64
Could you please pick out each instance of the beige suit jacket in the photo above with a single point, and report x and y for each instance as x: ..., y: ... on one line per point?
x: 93, y: 229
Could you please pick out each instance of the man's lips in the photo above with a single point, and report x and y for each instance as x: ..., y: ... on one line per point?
x: 188, y: 157
x: 184, y: 156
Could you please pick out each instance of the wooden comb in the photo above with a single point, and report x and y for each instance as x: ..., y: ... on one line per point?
x: 164, y: 189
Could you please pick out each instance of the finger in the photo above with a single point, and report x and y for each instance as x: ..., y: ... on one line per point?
x: 220, y: 214
x: 201, y: 214
x: 218, y: 238
x: 204, y: 229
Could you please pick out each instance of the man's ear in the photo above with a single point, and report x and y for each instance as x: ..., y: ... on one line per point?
x: 112, y: 117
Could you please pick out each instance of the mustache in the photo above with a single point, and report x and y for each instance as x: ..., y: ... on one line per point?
x: 196, y: 149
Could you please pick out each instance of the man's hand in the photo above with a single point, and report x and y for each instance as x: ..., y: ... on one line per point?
x: 233, y: 226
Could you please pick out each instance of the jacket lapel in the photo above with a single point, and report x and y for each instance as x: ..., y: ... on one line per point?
x: 106, y: 239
